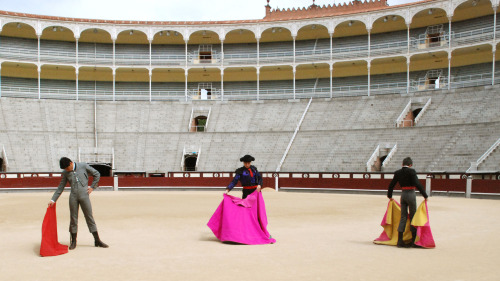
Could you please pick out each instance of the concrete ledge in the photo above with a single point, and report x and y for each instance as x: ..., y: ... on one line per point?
x: 294, y: 100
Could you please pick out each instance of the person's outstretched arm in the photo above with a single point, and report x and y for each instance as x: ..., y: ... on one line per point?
x: 59, y: 190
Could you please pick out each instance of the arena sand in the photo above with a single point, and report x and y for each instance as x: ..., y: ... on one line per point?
x: 162, y: 235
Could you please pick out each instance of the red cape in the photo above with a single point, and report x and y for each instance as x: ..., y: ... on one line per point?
x: 50, y: 245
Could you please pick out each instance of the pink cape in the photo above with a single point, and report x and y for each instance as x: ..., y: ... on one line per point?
x: 241, y: 220
x: 390, y: 223
x: 50, y: 245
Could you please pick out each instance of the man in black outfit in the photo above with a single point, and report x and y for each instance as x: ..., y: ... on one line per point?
x: 248, y: 175
x: 407, y: 179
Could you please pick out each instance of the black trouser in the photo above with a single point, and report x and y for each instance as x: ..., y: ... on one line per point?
x: 247, y: 192
x: 408, y: 201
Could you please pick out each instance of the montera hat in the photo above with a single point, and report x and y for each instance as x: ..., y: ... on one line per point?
x: 247, y: 158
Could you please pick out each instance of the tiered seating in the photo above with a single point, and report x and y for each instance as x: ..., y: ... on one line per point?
x: 336, y: 135
x: 168, y: 55
x: 94, y: 54
x: 388, y: 44
x: 472, y: 24
x: 18, y: 49
x: 57, y: 52
x: 131, y: 55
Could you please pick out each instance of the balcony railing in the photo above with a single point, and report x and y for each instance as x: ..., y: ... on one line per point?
x: 29, y: 52
x: 251, y: 94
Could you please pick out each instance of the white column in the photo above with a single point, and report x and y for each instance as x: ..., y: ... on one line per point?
x: 114, y: 52
x: 150, y: 75
x: 449, y: 53
x: 186, y: 82
x: 0, y: 80
x: 258, y: 83
x: 428, y: 189
x: 76, y: 58
x: 76, y: 72
x: 222, y: 52
x: 258, y: 52
x: 369, y: 43
x: 294, y: 71
x: 494, y: 44
x: 331, y: 47
x: 294, y: 51
x: 468, y: 186
x: 222, y: 84
x: 408, y: 59
x: 38, y: 66
x: 114, y: 81
x: 39, y: 70
x: 369, y: 65
x: 493, y: 66
x: 150, y: 69
x: 186, y: 53
x: 38, y: 57
x: 408, y: 38
x: 407, y: 74
x: 76, y: 68
x: 150, y: 40
x: 449, y: 71
x: 331, y: 80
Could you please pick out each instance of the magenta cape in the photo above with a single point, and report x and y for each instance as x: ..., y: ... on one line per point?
x: 241, y: 220
x: 390, y: 223
x: 50, y: 245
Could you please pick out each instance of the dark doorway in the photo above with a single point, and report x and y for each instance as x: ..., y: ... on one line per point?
x: 206, y: 57
x: 200, y: 122
x: 190, y: 163
x: 103, y: 168
x: 382, y: 159
x: 432, y: 81
x: 416, y: 112
x: 434, y: 39
x: 1, y: 165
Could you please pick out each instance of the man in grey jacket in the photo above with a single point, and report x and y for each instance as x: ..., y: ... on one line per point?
x: 77, y: 176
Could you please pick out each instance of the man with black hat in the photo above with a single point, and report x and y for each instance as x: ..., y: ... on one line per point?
x: 248, y: 175
x: 407, y: 178
x: 77, y: 176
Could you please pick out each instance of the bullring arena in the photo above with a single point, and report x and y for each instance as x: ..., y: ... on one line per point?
x: 328, y: 99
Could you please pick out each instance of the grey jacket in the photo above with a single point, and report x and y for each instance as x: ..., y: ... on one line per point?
x: 78, y: 178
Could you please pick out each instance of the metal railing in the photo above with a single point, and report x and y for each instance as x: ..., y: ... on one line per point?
x: 49, y: 54
x: 31, y: 91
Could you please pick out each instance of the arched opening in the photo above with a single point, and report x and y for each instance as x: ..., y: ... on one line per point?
x: 380, y: 162
x: 190, y: 162
x: 200, y: 122
x: 416, y: 112
x: 103, y: 168
x: 1, y: 165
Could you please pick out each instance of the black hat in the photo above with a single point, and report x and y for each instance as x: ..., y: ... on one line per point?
x: 247, y: 158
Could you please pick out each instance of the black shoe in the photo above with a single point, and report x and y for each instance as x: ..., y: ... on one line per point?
x: 101, y: 244
x: 98, y: 242
x: 72, y: 246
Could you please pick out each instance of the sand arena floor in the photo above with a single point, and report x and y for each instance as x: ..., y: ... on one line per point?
x: 162, y: 235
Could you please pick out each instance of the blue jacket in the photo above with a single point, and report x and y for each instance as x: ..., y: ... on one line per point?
x: 243, y: 175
